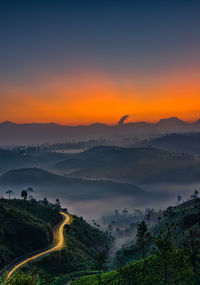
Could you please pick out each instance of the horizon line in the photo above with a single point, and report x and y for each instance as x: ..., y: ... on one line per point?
x: 100, y: 123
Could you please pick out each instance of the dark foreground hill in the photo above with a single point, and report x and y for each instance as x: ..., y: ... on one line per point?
x: 27, y: 226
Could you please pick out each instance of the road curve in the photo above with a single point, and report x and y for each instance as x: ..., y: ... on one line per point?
x: 58, y: 236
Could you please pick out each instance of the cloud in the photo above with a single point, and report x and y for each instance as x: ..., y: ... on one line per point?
x: 123, y: 119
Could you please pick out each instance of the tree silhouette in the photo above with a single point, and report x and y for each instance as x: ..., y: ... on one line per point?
x: 24, y: 194
x: 179, y: 198
x: 166, y: 249
x: 196, y: 193
x: 29, y: 190
x: 143, y: 237
x: 143, y: 240
x: 9, y: 192
x: 101, y: 259
x: 57, y: 204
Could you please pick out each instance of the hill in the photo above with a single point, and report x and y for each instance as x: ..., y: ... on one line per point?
x: 185, y: 143
x: 142, y: 165
x: 185, y: 216
x: 27, y: 223
x: 30, y: 223
x: 71, y: 188
x: 15, y: 159
x: 180, y: 272
x: 173, y: 259
x: 9, y: 160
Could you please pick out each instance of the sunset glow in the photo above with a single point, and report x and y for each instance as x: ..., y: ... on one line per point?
x: 136, y: 59
x: 84, y: 99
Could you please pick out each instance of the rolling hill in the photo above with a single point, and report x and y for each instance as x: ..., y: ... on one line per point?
x: 16, y: 159
x: 186, y: 143
x: 143, y: 165
x: 71, y: 188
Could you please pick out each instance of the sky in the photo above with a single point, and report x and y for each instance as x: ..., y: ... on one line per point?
x: 79, y: 62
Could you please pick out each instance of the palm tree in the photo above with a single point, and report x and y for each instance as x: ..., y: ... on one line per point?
x: 9, y: 192
x: 29, y: 190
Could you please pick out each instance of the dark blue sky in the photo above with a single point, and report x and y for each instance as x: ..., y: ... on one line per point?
x: 112, y: 35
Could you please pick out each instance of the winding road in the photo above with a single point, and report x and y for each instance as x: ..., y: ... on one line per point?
x: 59, y: 243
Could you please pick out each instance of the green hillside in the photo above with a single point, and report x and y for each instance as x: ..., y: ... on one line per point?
x: 27, y: 226
x: 185, y: 216
x: 173, y: 253
x: 180, y: 271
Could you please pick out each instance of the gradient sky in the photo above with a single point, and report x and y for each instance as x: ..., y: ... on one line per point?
x: 78, y: 62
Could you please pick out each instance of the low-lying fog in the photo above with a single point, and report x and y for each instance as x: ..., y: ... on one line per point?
x: 96, y: 208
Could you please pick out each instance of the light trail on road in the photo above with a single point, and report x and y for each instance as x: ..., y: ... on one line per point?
x: 59, y: 244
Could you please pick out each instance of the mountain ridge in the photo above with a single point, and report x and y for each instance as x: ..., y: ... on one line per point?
x: 36, y: 133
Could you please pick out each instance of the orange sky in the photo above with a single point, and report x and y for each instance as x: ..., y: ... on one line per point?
x: 86, y: 97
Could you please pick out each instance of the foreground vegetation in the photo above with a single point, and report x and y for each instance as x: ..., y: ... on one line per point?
x: 27, y: 225
x: 168, y: 253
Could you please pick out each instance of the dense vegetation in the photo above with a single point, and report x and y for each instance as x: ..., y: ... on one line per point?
x: 166, y: 249
x: 27, y: 226
x: 168, y: 253
x: 84, y: 242
x: 185, y: 216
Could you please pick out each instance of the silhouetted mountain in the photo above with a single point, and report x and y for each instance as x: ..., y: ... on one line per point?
x: 11, y: 133
x: 172, y: 124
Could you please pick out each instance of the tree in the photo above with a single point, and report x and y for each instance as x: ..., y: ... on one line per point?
x: 24, y: 194
x: 143, y: 240
x: 196, y: 193
x: 101, y: 259
x: 57, y: 204
x: 143, y: 237
x: 109, y: 231
x: 166, y: 250
x: 29, y: 191
x: 179, y: 198
x: 45, y: 201
x: 9, y: 192
x: 192, y: 248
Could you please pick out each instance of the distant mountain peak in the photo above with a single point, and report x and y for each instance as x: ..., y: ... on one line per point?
x: 97, y: 124
x: 171, y: 119
x: 7, y: 123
